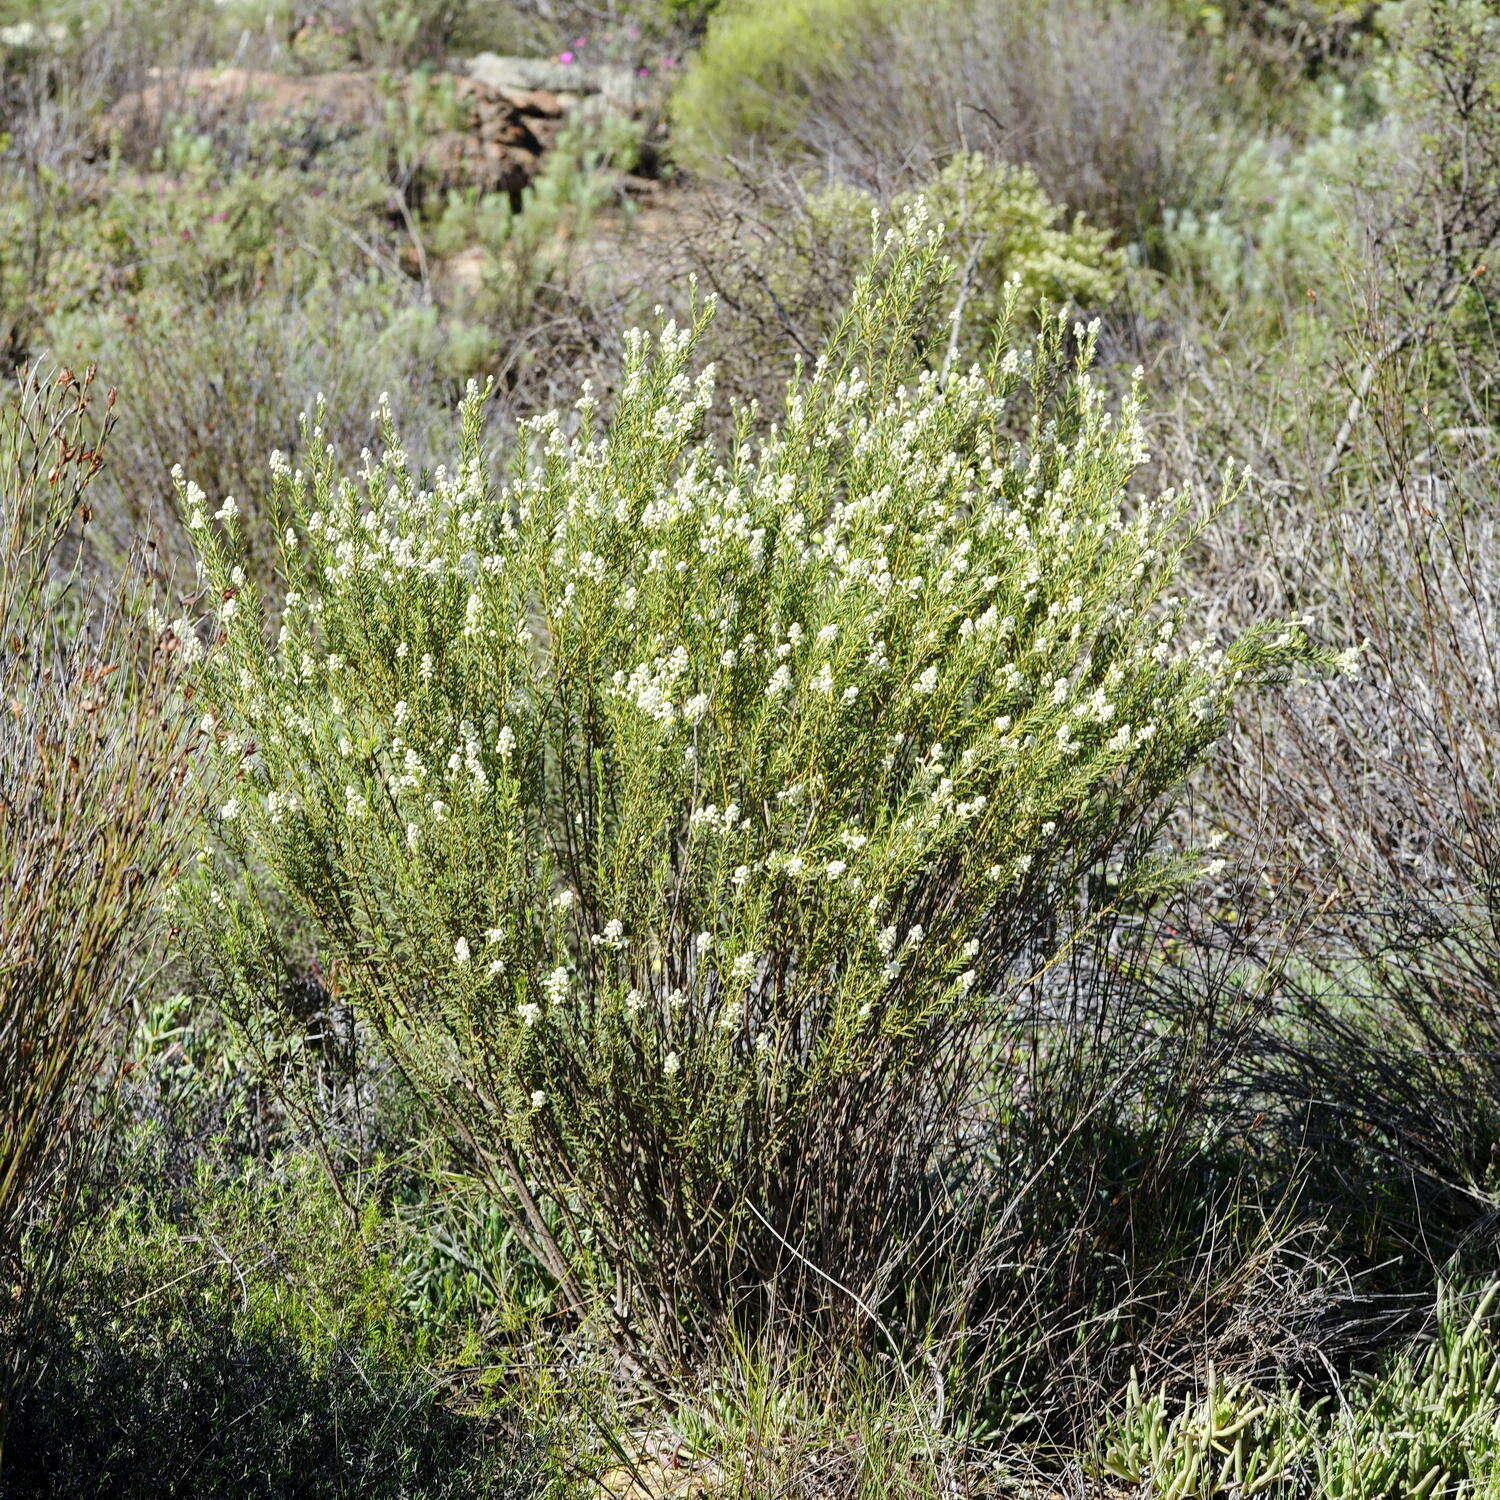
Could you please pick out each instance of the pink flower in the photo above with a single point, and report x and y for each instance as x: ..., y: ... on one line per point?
x: 565, y: 57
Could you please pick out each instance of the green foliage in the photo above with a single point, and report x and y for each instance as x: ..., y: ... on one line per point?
x: 1223, y: 1440
x: 1016, y: 261
x: 660, y: 805
x: 1280, y: 232
x: 1425, y: 1426
x: 214, y: 1239
x: 251, y: 1304
x: 759, y: 64
x: 1002, y: 227
x: 208, y: 1412
x: 1113, y: 106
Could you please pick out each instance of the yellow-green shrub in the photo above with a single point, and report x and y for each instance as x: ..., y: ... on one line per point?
x: 759, y: 64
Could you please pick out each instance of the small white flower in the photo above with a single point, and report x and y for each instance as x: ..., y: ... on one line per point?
x: 671, y: 1065
x: 1349, y: 662
x: 556, y: 985
x: 634, y: 1001
x: 461, y: 951
x: 230, y: 811
x: 530, y: 1013
x: 538, y: 1098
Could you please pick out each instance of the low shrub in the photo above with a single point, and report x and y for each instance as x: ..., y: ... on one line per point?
x: 760, y: 66
x: 253, y: 1298
x: 1110, y: 105
x: 207, y: 1411
x: 1424, y: 1426
x: 687, y: 823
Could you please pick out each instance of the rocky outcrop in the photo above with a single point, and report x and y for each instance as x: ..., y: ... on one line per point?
x: 618, y: 87
x: 492, y: 138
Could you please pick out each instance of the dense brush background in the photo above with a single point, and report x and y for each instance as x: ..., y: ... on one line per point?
x: 1172, y: 1169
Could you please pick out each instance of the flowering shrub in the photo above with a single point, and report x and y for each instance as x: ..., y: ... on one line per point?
x: 683, y: 820
x: 1017, y: 259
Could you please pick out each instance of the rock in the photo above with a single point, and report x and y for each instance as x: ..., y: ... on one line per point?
x: 507, y: 126
x: 497, y: 151
x: 619, y: 85
x: 538, y: 102
x: 456, y: 160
